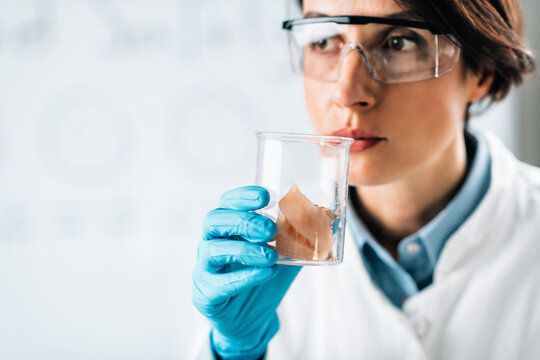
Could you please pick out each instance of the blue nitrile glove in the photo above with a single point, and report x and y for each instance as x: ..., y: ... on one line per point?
x: 236, y: 283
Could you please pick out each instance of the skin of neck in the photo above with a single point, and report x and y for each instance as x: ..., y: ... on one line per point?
x: 395, y: 210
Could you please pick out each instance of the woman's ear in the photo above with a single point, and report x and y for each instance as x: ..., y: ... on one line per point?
x: 480, y: 84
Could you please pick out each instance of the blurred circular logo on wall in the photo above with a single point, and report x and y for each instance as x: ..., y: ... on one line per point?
x: 211, y: 134
x: 85, y: 137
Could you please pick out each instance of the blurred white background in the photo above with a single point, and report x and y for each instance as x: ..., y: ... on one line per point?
x: 121, y: 123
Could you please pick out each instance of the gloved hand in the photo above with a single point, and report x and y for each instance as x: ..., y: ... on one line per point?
x: 236, y: 283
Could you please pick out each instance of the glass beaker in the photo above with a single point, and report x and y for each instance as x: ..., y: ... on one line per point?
x: 306, y: 176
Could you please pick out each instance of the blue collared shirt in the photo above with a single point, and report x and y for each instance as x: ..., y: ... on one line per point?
x: 417, y: 254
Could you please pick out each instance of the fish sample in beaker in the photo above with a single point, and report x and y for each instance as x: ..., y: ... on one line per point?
x: 306, y: 176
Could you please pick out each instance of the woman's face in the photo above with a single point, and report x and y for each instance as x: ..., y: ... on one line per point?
x: 400, y: 129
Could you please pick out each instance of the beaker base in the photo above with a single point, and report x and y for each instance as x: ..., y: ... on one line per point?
x: 327, y: 262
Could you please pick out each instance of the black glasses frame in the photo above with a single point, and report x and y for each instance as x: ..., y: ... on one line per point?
x: 364, y: 20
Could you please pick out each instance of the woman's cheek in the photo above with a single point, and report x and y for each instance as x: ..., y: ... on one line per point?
x: 318, y: 96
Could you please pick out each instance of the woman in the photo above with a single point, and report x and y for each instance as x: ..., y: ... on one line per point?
x: 442, y: 255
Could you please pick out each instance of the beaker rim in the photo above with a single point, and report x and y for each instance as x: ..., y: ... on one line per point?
x: 299, y: 137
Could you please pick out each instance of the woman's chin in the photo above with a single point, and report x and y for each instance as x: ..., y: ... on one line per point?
x: 361, y: 173
x: 367, y: 176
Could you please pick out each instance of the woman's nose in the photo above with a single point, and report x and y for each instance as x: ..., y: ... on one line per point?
x: 353, y: 86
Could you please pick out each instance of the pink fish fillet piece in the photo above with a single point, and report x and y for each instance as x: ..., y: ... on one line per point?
x: 304, y: 229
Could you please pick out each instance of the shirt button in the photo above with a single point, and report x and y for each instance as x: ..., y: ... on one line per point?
x: 413, y: 248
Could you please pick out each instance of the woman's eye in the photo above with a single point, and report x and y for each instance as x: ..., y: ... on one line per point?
x: 401, y: 43
x: 326, y: 44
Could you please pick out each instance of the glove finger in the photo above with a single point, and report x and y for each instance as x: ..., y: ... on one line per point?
x: 215, y: 254
x: 245, y: 198
x: 225, y: 223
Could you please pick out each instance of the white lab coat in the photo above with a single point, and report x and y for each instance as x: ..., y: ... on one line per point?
x: 484, y: 302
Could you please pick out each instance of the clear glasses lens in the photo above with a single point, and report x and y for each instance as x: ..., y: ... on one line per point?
x: 392, y: 54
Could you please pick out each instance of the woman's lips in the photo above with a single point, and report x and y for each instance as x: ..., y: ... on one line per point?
x: 363, y: 139
x: 363, y: 144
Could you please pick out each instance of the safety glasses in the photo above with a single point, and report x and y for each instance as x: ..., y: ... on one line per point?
x: 393, y: 50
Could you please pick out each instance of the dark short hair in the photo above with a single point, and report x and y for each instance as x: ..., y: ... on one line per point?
x: 489, y: 32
